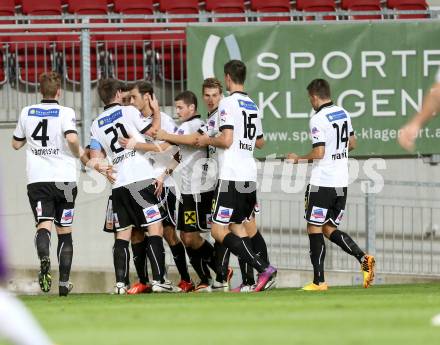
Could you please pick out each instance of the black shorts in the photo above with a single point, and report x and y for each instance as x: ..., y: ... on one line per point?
x: 323, y: 204
x: 234, y: 202
x: 194, y: 212
x: 53, y: 201
x: 136, y: 205
x: 169, y: 199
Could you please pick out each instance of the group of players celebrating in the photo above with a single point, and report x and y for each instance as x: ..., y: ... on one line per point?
x: 195, y: 176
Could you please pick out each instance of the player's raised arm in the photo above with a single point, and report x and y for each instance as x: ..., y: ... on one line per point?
x: 431, y: 106
x: 19, y: 137
x: 185, y: 139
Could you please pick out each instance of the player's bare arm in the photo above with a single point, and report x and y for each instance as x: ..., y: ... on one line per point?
x: 74, y: 146
x: 431, y: 106
x: 259, y: 143
x: 18, y: 144
x: 187, y: 139
x: 132, y: 144
x: 316, y: 153
x: 352, y: 143
x: 224, y: 140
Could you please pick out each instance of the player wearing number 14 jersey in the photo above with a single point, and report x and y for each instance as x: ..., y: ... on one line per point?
x: 332, y: 137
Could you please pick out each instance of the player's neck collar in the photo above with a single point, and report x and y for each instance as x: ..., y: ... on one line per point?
x: 108, y: 106
x: 240, y: 92
x: 212, y: 112
x: 197, y: 116
x: 49, y: 101
x: 328, y: 104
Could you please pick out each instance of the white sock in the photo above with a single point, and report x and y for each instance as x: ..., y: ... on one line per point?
x: 17, y: 324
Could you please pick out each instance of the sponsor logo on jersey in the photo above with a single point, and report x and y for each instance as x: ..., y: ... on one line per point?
x: 180, y: 132
x: 339, y: 218
x: 223, y: 115
x: 339, y: 115
x: 315, y: 131
x: 119, y: 159
x: 318, y: 214
x: 189, y: 217
x: 109, y: 118
x: 211, y: 123
x: 224, y: 214
x: 67, y: 216
x: 248, y: 105
x: 45, y: 152
x: 38, y: 112
x: 151, y: 213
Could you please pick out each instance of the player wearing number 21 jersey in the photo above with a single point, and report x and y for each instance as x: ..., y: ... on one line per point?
x: 332, y: 137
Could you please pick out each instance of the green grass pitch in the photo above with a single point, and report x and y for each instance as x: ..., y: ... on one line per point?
x: 398, y: 314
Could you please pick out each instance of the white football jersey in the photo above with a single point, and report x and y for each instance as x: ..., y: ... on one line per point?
x: 240, y: 113
x: 331, y: 127
x: 194, y: 171
x: 211, y: 128
x: 117, y: 121
x: 44, y: 127
x: 161, y: 160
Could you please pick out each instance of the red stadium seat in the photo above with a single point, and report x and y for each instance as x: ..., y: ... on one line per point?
x: 42, y: 8
x: 93, y: 7
x: 170, y: 57
x: 317, y: 6
x: 180, y: 7
x: 271, y: 6
x: 31, y: 56
x: 407, y: 5
x: 134, y: 7
x: 7, y: 9
x: 129, y: 57
x: 227, y: 6
x: 362, y: 5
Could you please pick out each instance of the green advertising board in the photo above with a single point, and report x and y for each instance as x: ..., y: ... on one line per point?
x: 378, y: 72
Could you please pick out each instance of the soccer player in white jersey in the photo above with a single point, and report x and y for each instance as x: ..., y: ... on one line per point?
x: 197, y: 184
x: 430, y: 107
x: 135, y: 189
x: 212, y: 91
x: 140, y: 95
x: 49, y: 129
x: 332, y: 138
x: 235, y: 194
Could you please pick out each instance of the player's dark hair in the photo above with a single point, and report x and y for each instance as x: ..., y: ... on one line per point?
x: 50, y: 82
x: 108, y: 88
x: 212, y: 83
x: 320, y: 88
x: 127, y: 87
x: 188, y: 97
x: 236, y: 69
x: 144, y: 87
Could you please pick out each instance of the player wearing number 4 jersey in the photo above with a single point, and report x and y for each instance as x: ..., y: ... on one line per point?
x: 50, y: 132
x: 235, y: 195
x: 332, y: 137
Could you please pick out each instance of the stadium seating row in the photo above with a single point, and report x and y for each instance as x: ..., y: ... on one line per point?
x: 24, y: 57
x: 148, y: 7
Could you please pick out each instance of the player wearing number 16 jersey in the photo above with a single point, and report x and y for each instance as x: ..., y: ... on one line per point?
x: 332, y: 138
x: 49, y: 129
x: 235, y: 195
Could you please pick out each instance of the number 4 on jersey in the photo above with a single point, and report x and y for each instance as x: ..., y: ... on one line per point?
x: 341, y: 135
x: 44, y: 138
